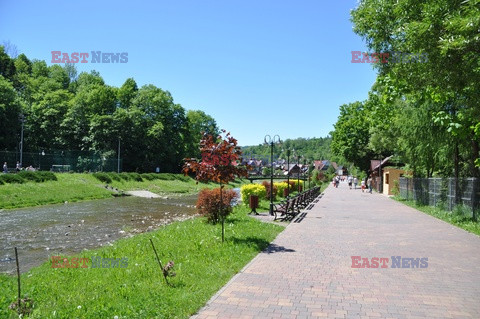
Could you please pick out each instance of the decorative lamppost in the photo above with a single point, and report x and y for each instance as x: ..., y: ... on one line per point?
x: 269, y: 140
x: 298, y: 174
x: 288, y: 172
x: 304, y: 165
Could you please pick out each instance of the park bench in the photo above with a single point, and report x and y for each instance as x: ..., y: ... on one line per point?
x: 290, y: 207
x: 286, y: 209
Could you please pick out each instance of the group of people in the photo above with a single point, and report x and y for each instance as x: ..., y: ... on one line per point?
x: 352, y: 180
x: 18, y: 167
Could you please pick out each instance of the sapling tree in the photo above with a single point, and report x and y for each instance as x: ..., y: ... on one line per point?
x: 220, y: 163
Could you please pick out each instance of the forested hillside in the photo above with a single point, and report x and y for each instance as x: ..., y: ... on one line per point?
x: 310, y: 148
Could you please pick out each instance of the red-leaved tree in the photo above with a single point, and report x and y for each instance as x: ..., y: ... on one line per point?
x: 220, y: 163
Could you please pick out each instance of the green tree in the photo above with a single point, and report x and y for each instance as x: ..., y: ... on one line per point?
x: 127, y: 93
x: 10, y: 109
x: 350, y: 138
x: 446, y: 33
x: 198, y: 122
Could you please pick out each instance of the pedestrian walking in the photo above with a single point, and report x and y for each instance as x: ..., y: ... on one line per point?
x: 5, y: 168
x: 355, y: 182
x: 363, y: 186
x: 369, y: 184
x: 18, y: 167
x: 350, y: 181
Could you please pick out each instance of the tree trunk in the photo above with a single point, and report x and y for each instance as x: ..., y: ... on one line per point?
x: 475, y: 155
x: 221, y: 213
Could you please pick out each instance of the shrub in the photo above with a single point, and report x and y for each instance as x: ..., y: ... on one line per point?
x: 12, y: 179
x: 183, y: 178
x: 149, y: 176
x: 266, y: 171
x: 267, y: 188
x: 114, y: 176
x: 292, y: 185
x: 280, y: 187
x: 252, y: 189
x: 166, y: 176
x: 208, y: 203
x: 102, y: 177
x: 30, y: 176
x: 125, y: 176
x: 135, y: 177
x: 295, y: 185
x: 46, y: 176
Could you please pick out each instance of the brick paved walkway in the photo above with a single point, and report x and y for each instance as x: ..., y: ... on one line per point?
x: 307, y: 271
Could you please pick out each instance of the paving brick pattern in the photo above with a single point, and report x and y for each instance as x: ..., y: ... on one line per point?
x: 307, y: 273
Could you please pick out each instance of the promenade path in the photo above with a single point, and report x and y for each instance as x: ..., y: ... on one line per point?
x: 307, y: 271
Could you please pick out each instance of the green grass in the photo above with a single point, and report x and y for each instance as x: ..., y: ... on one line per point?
x: 68, y: 187
x: 163, y: 186
x: 202, y: 264
x: 460, y: 217
x: 77, y: 187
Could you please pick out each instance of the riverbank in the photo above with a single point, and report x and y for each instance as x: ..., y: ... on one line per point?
x: 77, y: 187
x: 202, y: 266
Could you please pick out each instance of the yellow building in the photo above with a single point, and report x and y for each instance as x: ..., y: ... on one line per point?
x: 391, y: 176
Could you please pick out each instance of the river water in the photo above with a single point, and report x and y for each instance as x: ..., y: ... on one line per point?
x: 64, y: 229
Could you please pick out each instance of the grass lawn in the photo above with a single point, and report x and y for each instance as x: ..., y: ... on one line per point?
x: 458, y: 217
x: 77, y: 186
x: 168, y: 186
x: 202, y: 264
x: 69, y: 187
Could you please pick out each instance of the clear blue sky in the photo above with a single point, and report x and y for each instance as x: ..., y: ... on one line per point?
x: 258, y: 67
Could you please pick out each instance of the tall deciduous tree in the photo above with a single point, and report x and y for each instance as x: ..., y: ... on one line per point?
x: 10, y: 109
x: 446, y: 32
x: 351, y: 135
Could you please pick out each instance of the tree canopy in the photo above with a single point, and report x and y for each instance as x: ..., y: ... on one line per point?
x: 64, y: 110
x: 425, y: 112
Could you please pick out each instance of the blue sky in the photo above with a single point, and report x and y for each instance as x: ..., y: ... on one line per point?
x: 258, y: 67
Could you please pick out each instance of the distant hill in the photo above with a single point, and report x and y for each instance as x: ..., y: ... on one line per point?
x: 311, y: 148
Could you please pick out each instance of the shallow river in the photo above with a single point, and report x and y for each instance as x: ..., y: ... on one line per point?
x: 41, y: 232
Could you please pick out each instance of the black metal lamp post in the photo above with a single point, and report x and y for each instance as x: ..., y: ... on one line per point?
x: 304, y: 165
x: 288, y: 172
x: 298, y: 174
x: 269, y: 140
x: 22, y: 120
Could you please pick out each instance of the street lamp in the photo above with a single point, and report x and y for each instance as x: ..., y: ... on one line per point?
x: 288, y: 172
x: 298, y: 174
x: 40, y: 159
x: 269, y: 140
x: 304, y: 165
x: 22, y: 120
